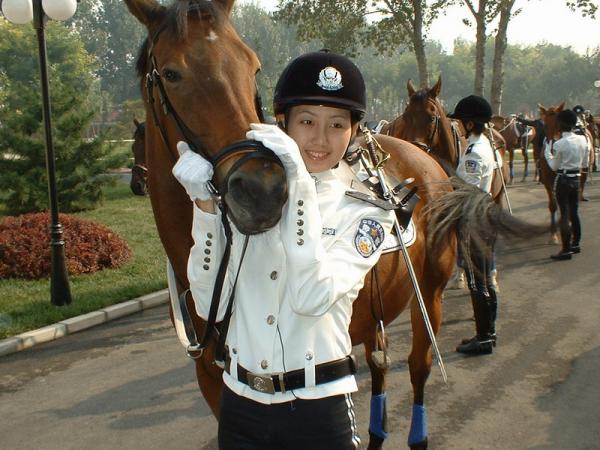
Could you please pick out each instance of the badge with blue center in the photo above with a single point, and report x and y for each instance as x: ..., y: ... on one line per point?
x: 471, y: 166
x: 369, y: 237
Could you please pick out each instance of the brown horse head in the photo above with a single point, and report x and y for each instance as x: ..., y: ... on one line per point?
x: 139, y: 171
x: 201, y: 88
x: 550, y: 118
x: 425, y: 124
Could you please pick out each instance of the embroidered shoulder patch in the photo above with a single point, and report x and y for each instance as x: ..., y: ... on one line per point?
x: 471, y: 166
x: 369, y: 237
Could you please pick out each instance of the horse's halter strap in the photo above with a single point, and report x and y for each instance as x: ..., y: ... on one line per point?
x: 428, y: 146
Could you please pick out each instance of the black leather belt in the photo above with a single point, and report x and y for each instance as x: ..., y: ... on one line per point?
x: 288, y: 381
x: 569, y: 172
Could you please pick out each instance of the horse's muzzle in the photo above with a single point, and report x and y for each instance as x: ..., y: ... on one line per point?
x: 256, y: 198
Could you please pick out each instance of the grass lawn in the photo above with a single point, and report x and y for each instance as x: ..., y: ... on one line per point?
x: 25, y: 305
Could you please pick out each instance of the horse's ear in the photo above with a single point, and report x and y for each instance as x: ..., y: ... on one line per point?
x: 227, y: 5
x: 435, y: 91
x: 146, y: 11
x: 542, y: 109
x: 560, y: 107
x: 136, y: 122
x: 410, y: 87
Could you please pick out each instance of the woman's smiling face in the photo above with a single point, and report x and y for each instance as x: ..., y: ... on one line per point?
x: 322, y: 133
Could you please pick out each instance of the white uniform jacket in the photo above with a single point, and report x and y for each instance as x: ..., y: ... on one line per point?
x: 294, y: 293
x: 477, y: 165
x: 570, y: 153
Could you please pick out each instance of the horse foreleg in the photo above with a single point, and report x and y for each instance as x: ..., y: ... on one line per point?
x: 582, y: 180
x: 511, y: 160
x: 419, y: 362
x: 378, y: 431
x: 526, y: 161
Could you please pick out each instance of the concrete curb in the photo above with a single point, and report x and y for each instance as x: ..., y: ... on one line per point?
x: 74, y: 324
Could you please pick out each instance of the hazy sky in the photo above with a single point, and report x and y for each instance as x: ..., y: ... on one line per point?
x: 540, y: 21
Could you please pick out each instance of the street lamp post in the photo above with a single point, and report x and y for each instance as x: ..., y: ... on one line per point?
x: 20, y: 12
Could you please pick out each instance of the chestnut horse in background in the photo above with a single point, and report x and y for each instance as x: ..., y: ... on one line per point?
x: 139, y: 172
x: 515, y: 139
x: 198, y: 84
x: 547, y: 175
x: 425, y: 124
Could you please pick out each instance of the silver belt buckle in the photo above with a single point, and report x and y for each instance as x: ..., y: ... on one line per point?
x: 261, y: 383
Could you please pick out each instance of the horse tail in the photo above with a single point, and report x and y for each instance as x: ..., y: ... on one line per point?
x: 474, y: 216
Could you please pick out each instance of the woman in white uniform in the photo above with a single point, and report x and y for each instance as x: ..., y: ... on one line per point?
x: 289, y: 373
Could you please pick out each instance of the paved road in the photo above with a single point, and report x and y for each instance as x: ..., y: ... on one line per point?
x: 127, y: 384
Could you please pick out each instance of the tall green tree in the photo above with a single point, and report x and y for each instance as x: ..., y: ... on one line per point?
x: 507, y: 12
x: 387, y: 25
x: 113, y: 36
x: 80, y: 162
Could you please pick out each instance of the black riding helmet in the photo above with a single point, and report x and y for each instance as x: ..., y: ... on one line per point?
x: 567, y: 118
x: 321, y: 78
x: 473, y: 108
x: 578, y: 109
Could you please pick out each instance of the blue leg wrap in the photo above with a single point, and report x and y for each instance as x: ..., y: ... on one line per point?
x: 418, y: 425
x: 377, y: 424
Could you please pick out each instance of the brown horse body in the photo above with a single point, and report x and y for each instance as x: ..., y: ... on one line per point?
x: 196, y: 53
x: 507, y: 127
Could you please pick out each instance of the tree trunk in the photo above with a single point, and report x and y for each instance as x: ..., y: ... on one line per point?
x: 499, y: 51
x: 419, y: 44
x: 480, y: 18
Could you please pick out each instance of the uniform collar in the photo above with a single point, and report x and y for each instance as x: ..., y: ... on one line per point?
x: 474, y: 139
x: 326, y: 175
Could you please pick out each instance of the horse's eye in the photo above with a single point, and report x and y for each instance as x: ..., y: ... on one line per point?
x: 171, y: 75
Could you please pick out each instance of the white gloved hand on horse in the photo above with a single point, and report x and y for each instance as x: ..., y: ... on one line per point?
x: 284, y: 147
x: 193, y: 172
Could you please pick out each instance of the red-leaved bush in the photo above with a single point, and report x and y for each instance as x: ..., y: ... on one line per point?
x: 25, y: 246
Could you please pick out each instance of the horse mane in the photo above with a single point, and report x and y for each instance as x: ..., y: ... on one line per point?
x: 175, y: 20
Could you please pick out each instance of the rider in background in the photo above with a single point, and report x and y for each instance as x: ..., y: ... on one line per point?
x: 566, y: 158
x: 477, y: 167
x: 581, y: 128
x: 289, y: 373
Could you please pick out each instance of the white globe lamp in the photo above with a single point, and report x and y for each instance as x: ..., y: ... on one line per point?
x: 18, y: 11
x: 59, y: 9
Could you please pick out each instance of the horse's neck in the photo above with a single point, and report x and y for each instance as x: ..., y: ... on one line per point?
x: 448, y: 141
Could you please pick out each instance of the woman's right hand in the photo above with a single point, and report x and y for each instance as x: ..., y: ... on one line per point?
x: 280, y: 143
x: 193, y: 171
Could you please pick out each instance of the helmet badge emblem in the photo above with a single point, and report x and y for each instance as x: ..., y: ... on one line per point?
x: 330, y: 79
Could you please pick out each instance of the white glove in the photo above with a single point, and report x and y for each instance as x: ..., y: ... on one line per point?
x: 193, y: 171
x: 282, y: 145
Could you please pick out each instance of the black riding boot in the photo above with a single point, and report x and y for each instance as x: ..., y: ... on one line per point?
x: 493, y: 304
x: 482, y: 343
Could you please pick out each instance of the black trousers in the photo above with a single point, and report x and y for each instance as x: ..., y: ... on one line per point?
x: 567, y: 197
x: 322, y: 424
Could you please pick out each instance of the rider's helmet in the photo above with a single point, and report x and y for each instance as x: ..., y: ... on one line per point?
x: 321, y: 78
x: 473, y: 108
x: 567, y: 117
x: 578, y: 109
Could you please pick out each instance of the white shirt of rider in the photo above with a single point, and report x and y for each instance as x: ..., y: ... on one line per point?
x: 477, y: 165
